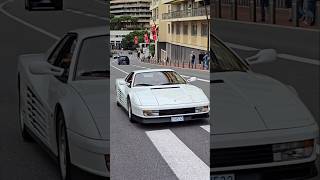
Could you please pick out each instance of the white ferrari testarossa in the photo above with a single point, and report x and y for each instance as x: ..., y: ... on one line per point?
x: 161, y: 95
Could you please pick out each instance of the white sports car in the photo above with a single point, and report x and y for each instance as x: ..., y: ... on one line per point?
x: 161, y: 95
x: 260, y: 128
x: 63, y: 100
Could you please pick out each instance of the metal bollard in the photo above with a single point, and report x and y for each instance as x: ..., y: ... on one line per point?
x: 253, y: 10
x: 272, y: 11
x: 295, y: 8
x: 234, y: 10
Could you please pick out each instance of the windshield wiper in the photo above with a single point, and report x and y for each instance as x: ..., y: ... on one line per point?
x: 96, y: 73
x: 143, y: 84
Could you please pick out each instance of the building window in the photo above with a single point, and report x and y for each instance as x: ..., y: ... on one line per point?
x: 172, y: 28
x: 185, y: 29
x: 194, y: 29
x: 204, y: 29
x: 178, y: 28
x: 168, y: 28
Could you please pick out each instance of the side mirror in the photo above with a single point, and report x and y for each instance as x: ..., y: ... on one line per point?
x: 44, y: 68
x: 192, y: 79
x: 263, y: 56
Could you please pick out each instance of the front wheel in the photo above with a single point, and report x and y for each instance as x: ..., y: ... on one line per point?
x: 63, y: 149
x: 130, y: 111
x: 58, y: 5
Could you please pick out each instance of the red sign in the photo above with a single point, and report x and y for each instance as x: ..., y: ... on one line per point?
x: 154, y: 32
x: 136, y: 40
x: 146, y: 38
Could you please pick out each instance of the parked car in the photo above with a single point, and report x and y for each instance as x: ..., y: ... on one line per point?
x: 259, y: 126
x: 123, y: 60
x: 32, y: 4
x: 63, y: 97
x: 161, y: 95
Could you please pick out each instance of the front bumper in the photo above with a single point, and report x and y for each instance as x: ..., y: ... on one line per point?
x: 296, y: 171
x: 168, y: 119
x: 89, y: 154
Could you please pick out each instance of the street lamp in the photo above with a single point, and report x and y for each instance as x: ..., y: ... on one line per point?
x: 208, y: 23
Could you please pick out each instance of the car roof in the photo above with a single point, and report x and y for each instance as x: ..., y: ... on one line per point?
x: 91, y: 32
x: 152, y: 70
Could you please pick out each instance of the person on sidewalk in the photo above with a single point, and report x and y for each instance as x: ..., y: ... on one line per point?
x: 205, y: 61
x: 193, y: 59
x: 309, y: 10
x: 264, y: 4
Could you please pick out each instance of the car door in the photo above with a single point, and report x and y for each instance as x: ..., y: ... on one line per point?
x: 123, y: 93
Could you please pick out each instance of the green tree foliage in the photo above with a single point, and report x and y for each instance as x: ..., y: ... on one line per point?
x: 128, y: 40
x: 124, y: 22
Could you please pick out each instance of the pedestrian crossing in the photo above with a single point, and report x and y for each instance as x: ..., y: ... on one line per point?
x: 185, y: 164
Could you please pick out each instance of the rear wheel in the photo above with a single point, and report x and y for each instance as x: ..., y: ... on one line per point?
x: 24, y: 133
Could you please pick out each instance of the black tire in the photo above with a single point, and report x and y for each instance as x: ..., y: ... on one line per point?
x: 24, y: 133
x: 130, y: 111
x: 58, y: 4
x: 27, y: 5
x: 65, y: 165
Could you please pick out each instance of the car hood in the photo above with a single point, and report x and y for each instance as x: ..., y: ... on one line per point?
x: 94, y: 95
x: 244, y: 102
x: 170, y: 95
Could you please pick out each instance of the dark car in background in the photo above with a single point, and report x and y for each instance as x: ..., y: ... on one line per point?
x: 123, y: 60
x: 32, y: 4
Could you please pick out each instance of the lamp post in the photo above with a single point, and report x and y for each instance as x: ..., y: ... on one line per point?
x: 208, y: 25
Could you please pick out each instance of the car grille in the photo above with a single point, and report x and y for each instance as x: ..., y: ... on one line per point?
x: 241, y: 156
x: 176, y: 111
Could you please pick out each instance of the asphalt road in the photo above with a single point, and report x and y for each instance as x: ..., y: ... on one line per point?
x: 23, y: 32
x: 135, y: 156
x: 299, y: 67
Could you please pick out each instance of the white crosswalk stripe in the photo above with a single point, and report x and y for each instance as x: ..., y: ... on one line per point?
x: 185, y: 164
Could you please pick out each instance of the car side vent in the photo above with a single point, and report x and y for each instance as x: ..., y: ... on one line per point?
x: 217, y: 81
x: 165, y: 88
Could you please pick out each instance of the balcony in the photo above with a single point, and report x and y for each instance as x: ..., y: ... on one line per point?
x: 186, y: 13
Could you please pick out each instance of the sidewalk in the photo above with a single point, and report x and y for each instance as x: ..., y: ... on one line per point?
x: 175, y: 64
x: 282, y: 16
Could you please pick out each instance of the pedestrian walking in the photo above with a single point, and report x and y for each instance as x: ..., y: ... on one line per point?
x: 264, y: 4
x: 205, y: 61
x: 193, y: 59
x: 309, y: 10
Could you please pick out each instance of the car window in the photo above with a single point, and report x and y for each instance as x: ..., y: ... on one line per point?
x: 93, y: 59
x: 158, y: 78
x: 129, y: 78
x: 55, y: 53
x: 222, y: 59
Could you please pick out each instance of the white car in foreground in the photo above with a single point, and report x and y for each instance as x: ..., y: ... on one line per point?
x: 63, y: 101
x: 161, y: 95
x: 260, y: 129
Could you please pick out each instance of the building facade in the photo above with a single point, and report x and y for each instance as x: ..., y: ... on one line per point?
x: 134, y: 8
x: 182, y: 28
x: 116, y: 38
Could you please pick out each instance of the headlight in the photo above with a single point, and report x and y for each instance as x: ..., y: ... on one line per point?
x: 150, y: 112
x: 202, y: 109
x: 292, y: 150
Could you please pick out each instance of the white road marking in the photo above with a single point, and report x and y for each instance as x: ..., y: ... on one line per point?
x: 140, y: 66
x: 282, y: 56
x: 24, y: 22
x: 206, y: 127
x: 86, y: 14
x: 183, y: 162
x: 120, y: 69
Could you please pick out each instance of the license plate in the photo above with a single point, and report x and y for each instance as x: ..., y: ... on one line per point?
x: 222, y: 177
x: 177, y: 119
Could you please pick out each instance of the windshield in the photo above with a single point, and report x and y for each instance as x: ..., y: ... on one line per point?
x: 158, y: 78
x: 222, y: 59
x: 93, y: 59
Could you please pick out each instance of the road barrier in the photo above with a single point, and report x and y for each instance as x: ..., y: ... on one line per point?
x: 276, y: 11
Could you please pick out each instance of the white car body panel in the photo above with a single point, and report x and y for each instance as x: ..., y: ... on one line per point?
x: 84, y: 104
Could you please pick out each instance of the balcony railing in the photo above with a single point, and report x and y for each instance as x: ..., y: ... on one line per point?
x: 186, y: 13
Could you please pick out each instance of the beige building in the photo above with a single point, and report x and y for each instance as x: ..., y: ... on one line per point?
x: 133, y: 8
x: 183, y: 27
